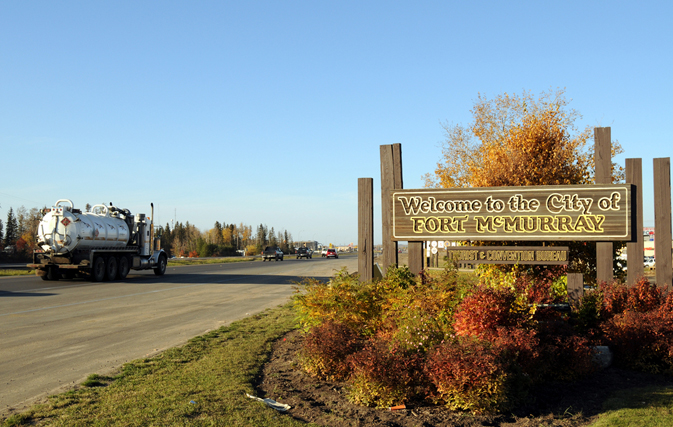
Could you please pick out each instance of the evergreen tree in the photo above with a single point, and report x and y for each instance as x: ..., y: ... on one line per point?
x: 1, y: 234
x: 10, y: 229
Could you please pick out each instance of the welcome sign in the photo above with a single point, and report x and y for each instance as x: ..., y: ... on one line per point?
x: 570, y: 212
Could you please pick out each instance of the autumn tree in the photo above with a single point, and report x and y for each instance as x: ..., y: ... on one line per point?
x: 521, y: 140
x: 228, y: 235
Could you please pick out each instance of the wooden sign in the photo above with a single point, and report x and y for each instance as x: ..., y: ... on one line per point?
x: 533, y: 255
x: 570, y: 212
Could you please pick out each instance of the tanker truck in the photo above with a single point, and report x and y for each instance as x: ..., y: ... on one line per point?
x: 105, y: 243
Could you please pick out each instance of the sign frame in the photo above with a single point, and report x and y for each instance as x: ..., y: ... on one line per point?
x: 593, y: 213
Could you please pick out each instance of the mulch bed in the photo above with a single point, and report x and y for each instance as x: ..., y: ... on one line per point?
x: 325, y: 404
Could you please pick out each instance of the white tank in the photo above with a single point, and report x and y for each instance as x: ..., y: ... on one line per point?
x: 63, y: 229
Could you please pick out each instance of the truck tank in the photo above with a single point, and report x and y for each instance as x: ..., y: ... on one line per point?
x: 64, y: 229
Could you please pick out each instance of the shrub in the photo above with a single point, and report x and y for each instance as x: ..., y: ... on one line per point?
x: 563, y: 356
x: 642, y: 341
x: 518, y: 348
x: 419, y: 317
x: 468, y: 375
x: 384, y: 375
x: 586, y: 316
x: 344, y: 300
x: 542, y: 287
x: 618, y: 298
x: 326, y: 348
x: 417, y: 330
x: 487, y: 308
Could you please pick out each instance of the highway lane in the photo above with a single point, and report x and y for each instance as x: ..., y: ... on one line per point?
x: 54, y: 334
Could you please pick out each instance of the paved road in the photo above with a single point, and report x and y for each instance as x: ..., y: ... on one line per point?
x: 54, y: 334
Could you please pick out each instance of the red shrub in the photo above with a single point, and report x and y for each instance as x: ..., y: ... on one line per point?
x: 384, y: 375
x: 618, y: 298
x: 644, y: 296
x: 537, y: 288
x: 484, y: 310
x: 468, y: 375
x: 518, y: 348
x: 326, y: 349
x: 642, y: 341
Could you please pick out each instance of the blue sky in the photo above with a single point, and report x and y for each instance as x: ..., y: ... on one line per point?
x: 269, y: 111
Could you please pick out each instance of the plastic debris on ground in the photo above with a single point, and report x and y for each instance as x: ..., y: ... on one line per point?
x: 271, y: 403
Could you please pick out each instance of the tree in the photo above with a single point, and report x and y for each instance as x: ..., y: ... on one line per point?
x: 520, y: 140
x: 1, y: 234
x: 21, y: 220
x: 227, y: 236
x: 10, y: 229
x: 262, y: 240
x: 273, y: 240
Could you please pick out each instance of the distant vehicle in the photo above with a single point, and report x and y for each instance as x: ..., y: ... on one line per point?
x: 323, y: 253
x: 271, y: 252
x: 331, y: 253
x: 304, y: 253
x: 648, y: 261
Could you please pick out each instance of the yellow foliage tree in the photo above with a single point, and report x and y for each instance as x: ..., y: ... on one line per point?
x: 521, y: 140
x: 518, y: 140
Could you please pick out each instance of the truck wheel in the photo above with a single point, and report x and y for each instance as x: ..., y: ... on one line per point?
x: 43, y: 274
x: 98, y: 270
x: 53, y: 274
x: 123, y: 268
x: 161, y: 266
x: 110, y: 268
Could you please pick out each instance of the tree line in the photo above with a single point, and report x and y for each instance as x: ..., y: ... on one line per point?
x: 185, y: 240
x: 19, y: 232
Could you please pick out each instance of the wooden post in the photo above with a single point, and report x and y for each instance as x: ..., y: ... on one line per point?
x: 365, y: 229
x: 416, y: 256
x: 636, y: 248
x: 603, y: 174
x: 662, y: 221
x: 575, y: 287
x: 391, y: 179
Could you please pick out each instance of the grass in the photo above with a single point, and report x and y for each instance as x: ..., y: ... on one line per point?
x: 650, y: 406
x: 202, y: 383
x: 16, y: 272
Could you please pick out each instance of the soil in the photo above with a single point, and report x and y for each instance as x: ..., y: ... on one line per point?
x: 325, y: 403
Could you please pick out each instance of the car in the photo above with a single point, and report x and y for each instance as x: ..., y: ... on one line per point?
x: 648, y: 261
x: 304, y: 253
x: 331, y: 253
x: 271, y: 252
x: 323, y: 253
